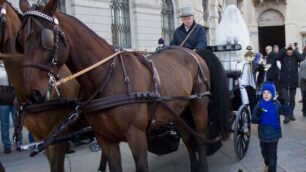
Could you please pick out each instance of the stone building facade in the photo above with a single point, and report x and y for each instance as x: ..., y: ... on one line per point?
x: 138, y: 24
x: 275, y: 21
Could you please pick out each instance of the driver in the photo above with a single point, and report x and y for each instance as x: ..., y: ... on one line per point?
x: 197, y: 36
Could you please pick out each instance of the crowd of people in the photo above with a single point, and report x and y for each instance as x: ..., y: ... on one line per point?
x: 277, y: 75
x: 281, y: 67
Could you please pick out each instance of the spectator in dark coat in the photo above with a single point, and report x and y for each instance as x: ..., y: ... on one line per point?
x: 277, y: 64
x: 304, y: 52
x: 289, y: 79
x: 296, y: 47
x: 275, y: 49
x: 258, y: 67
x: 273, y: 72
x: 197, y: 39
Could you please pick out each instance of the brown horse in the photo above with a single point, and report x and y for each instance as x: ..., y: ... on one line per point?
x: 43, y: 123
x: 51, y: 39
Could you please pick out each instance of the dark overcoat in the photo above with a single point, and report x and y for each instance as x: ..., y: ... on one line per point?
x: 197, y: 39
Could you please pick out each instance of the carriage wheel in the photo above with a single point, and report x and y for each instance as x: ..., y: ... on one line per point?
x: 242, y: 131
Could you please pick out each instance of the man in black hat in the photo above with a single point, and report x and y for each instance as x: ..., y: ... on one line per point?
x: 290, y: 60
x: 197, y: 36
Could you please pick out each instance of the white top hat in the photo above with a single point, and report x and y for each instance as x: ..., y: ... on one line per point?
x: 186, y: 11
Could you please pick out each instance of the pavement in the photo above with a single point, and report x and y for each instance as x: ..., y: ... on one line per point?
x: 291, y: 155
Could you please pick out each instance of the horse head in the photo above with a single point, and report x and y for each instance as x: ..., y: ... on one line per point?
x: 43, y: 42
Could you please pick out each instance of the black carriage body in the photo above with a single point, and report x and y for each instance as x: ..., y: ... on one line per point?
x: 241, y: 112
x: 163, y: 140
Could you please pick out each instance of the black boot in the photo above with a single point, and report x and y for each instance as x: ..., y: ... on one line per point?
x: 292, y: 117
x: 286, y: 120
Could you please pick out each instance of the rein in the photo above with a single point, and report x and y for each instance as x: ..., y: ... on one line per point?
x: 10, y: 55
x: 66, y: 79
x: 36, y: 108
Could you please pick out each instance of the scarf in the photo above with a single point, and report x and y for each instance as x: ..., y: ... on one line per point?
x: 268, y: 114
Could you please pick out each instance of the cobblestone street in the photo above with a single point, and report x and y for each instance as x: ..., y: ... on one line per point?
x: 291, y: 155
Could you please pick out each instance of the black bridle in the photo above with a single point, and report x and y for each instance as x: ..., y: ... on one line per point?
x: 53, y: 76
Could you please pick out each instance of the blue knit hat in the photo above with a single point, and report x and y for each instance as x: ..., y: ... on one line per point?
x: 269, y: 86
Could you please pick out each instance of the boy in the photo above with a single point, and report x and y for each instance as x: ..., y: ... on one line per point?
x: 266, y: 115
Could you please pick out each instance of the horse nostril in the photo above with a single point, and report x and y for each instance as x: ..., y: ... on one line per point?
x: 36, y: 97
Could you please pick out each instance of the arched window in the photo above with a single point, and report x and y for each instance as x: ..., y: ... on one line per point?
x: 61, y: 4
x: 121, y: 29
x: 167, y: 20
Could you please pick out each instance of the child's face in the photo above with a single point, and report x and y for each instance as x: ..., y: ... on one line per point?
x: 266, y: 95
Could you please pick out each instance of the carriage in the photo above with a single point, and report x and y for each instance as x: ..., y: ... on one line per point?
x: 242, y: 93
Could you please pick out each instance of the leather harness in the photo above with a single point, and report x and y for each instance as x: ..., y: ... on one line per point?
x: 96, y: 103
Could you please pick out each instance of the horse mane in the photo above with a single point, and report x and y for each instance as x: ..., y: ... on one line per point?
x: 20, y: 16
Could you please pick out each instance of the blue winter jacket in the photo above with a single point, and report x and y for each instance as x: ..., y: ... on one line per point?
x: 267, y: 133
x: 197, y: 39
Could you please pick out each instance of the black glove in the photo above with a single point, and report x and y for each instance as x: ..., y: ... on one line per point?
x: 259, y: 110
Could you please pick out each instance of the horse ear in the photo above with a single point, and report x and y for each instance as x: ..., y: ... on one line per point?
x: 24, y: 5
x: 51, y: 6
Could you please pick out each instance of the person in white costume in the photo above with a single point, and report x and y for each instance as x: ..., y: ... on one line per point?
x: 233, y: 30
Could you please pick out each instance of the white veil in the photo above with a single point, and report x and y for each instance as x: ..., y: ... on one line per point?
x: 232, y: 29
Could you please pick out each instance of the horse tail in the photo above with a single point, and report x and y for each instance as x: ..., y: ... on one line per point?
x: 219, y: 106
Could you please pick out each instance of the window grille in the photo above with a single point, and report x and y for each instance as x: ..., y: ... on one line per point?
x: 167, y: 20
x: 205, y: 8
x: 121, y: 30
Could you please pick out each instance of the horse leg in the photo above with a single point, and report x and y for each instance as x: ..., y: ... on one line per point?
x: 200, y: 117
x: 202, y: 156
x: 103, y: 163
x: 190, y: 145
x: 189, y: 140
x: 112, y: 152
x: 56, y: 156
x: 138, y: 144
